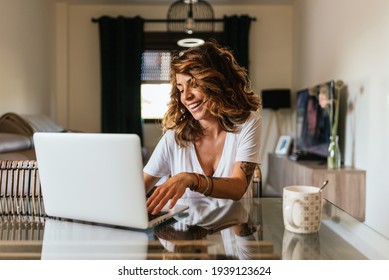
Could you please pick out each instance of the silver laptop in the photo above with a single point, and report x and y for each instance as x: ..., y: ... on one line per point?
x: 95, y: 177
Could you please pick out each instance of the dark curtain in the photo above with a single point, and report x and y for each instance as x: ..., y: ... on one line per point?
x: 121, y: 48
x: 236, y: 36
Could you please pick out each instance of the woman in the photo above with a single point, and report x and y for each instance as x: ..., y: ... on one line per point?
x: 211, y: 139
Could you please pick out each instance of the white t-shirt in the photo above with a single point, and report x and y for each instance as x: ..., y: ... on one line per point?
x: 169, y: 158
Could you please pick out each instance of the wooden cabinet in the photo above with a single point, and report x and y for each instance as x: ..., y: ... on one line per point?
x: 346, y: 188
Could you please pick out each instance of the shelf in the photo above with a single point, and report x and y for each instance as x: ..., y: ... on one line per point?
x: 346, y: 188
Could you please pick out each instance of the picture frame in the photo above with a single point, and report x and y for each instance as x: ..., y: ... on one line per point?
x: 283, y: 145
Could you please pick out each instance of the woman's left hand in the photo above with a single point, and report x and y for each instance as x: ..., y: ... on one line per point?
x: 172, y: 190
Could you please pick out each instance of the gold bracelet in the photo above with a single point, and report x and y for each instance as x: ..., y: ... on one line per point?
x: 206, y: 178
x: 211, y: 191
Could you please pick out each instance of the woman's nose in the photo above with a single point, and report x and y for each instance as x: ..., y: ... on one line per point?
x: 187, y: 93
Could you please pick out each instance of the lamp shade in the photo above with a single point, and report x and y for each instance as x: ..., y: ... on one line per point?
x: 276, y: 98
x: 195, y: 15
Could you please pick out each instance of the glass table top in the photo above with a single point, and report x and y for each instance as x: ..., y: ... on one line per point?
x: 210, y: 229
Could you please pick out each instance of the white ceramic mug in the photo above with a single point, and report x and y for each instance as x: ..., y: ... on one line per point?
x: 302, y: 207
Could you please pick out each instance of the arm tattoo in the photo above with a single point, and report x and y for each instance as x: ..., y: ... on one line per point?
x: 248, y: 168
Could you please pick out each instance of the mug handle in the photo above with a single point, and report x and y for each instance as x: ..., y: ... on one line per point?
x: 289, y: 214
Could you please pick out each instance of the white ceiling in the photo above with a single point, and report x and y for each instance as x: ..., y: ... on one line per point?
x: 163, y: 2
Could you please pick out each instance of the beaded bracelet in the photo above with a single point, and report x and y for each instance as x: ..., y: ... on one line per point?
x: 196, y: 187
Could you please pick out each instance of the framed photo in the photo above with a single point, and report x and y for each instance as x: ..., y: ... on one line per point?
x: 283, y: 145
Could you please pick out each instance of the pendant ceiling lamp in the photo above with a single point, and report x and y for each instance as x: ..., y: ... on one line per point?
x: 190, y: 16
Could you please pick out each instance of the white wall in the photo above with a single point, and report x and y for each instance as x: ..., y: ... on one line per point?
x: 270, y: 59
x: 349, y: 40
x: 26, y: 57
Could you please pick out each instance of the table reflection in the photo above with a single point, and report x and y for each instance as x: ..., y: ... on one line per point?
x: 300, y: 246
x: 235, y: 223
x: 210, y: 229
x: 75, y: 241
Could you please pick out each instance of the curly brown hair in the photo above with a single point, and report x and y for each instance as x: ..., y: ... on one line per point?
x: 223, y: 81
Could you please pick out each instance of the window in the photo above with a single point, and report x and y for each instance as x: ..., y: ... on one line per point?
x: 155, y: 88
x: 154, y: 98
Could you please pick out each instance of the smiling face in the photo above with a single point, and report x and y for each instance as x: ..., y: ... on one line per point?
x: 192, y: 97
